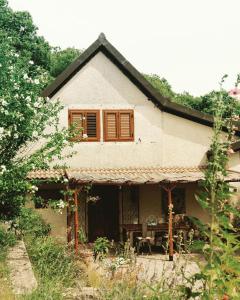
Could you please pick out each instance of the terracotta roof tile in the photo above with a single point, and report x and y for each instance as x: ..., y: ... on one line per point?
x: 46, y: 174
x: 137, y: 175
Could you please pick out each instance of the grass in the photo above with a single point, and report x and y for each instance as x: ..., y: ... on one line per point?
x: 55, y: 266
x: 5, y: 290
x: 7, y: 239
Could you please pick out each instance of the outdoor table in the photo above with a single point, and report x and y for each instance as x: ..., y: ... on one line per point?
x: 131, y: 229
x: 162, y: 228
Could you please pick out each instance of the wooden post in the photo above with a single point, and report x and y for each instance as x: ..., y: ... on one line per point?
x: 170, y: 224
x: 69, y: 221
x: 120, y: 206
x: 76, y: 220
x: 170, y: 219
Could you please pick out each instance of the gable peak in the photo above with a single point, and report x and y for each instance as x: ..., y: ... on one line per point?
x: 102, y: 36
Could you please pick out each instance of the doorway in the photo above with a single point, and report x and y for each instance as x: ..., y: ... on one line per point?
x: 103, y: 215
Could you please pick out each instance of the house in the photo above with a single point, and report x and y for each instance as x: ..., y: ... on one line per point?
x: 140, y: 150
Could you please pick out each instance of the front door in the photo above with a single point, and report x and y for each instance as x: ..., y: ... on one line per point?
x: 103, y: 220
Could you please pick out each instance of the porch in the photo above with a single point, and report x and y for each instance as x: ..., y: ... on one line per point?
x: 131, y: 203
x: 132, y: 212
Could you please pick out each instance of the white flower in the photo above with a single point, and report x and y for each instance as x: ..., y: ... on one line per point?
x: 8, y: 133
x: 2, y: 169
x: 22, y: 28
x: 61, y: 204
x: 34, y: 188
x: 25, y: 76
x: 31, y: 62
x: 3, y: 102
x: 65, y: 180
x: 36, y: 81
x: 35, y: 134
x: 16, y: 55
x: 36, y: 105
x: 84, y: 136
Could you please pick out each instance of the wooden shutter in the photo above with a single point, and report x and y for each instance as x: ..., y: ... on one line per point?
x: 88, y: 121
x: 118, y: 125
x: 92, y: 125
x: 76, y: 118
x: 110, y: 125
x: 126, y: 125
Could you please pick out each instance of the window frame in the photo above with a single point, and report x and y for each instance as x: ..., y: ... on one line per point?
x: 84, y: 112
x: 118, y: 125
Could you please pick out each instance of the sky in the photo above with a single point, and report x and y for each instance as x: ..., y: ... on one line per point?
x: 191, y: 43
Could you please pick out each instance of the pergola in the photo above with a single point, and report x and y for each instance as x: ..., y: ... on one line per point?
x: 167, y: 177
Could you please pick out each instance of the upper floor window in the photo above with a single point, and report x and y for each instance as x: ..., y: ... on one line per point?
x: 118, y: 125
x: 87, y: 122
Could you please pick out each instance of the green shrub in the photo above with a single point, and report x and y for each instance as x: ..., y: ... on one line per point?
x: 30, y: 223
x: 7, y: 238
x: 101, y: 247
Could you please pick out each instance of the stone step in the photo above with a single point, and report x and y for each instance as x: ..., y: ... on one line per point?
x: 21, y: 273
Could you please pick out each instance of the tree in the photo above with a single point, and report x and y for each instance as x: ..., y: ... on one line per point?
x: 203, y: 103
x: 160, y: 84
x: 24, y: 116
x: 22, y: 36
x: 208, y: 103
x: 60, y: 59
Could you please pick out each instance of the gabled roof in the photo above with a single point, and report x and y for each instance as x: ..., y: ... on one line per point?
x: 103, y: 45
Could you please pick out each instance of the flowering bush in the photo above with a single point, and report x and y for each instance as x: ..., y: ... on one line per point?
x: 24, y: 116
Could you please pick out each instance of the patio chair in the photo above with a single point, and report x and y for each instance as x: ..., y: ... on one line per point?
x: 144, y: 240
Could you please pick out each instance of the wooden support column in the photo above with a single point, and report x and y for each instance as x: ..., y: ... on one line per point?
x: 120, y: 208
x: 169, y: 189
x: 69, y: 220
x: 170, y: 224
x: 76, y: 225
x: 69, y: 215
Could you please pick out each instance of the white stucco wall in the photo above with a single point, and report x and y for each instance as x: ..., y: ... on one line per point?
x: 57, y: 221
x: 150, y: 203
x: 161, y: 139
